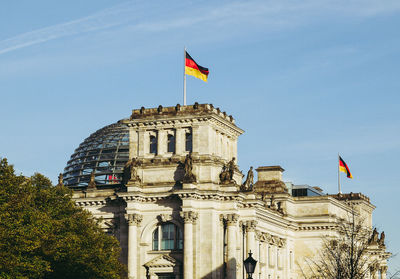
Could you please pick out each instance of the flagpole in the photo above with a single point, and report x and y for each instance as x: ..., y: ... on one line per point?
x: 339, y: 174
x: 184, y: 77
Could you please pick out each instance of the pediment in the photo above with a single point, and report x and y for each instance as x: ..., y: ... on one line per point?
x: 162, y: 261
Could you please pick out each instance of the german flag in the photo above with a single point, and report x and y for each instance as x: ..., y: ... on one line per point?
x: 194, y: 69
x: 344, y: 168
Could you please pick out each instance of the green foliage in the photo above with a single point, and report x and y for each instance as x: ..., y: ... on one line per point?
x: 44, y: 235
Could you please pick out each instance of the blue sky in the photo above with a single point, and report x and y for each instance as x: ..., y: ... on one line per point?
x: 305, y: 80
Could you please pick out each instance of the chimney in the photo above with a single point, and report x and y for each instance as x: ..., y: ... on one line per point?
x: 270, y: 173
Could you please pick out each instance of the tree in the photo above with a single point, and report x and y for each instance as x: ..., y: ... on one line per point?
x: 395, y: 275
x: 43, y: 234
x: 350, y: 255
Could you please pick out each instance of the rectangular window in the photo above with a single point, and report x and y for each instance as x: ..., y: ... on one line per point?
x: 171, y: 143
x: 153, y: 144
x: 188, y: 142
x: 167, y: 239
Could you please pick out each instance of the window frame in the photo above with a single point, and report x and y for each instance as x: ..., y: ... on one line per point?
x: 158, y: 244
x: 153, y: 145
x: 171, y: 143
x: 189, y: 143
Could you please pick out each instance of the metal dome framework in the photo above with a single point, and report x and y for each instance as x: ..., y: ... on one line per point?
x: 105, y: 153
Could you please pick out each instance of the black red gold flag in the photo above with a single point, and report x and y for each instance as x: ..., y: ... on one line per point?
x: 344, y: 168
x: 194, y: 69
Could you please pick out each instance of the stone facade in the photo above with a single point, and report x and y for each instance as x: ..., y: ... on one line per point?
x: 205, y: 226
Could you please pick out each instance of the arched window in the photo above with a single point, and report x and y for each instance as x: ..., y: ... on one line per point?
x: 153, y: 144
x: 167, y: 236
x: 171, y: 143
x: 188, y: 142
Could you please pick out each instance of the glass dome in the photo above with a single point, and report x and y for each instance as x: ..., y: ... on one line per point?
x: 105, y: 152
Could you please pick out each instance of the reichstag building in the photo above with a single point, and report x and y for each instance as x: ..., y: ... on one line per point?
x: 166, y: 184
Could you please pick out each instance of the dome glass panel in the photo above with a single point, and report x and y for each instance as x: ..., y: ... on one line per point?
x: 105, y: 153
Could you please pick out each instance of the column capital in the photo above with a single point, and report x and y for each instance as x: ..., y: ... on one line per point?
x: 134, y: 219
x: 231, y: 219
x: 189, y: 216
x: 251, y: 226
x: 373, y: 269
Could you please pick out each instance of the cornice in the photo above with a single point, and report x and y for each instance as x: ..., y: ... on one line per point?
x: 271, y: 239
x: 90, y: 202
x: 332, y: 227
x: 170, y: 117
x: 170, y: 122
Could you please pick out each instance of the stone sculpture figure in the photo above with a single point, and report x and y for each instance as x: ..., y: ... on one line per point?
x: 248, y: 183
x: 189, y: 176
x: 130, y: 171
x: 381, y: 240
x: 374, y: 238
x: 273, y: 203
x: 92, y: 182
x: 60, y: 180
x: 226, y: 175
x: 231, y: 168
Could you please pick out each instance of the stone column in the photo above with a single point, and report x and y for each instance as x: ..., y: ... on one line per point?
x: 231, y: 245
x: 161, y: 142
x: 134, y: 221
x: 196, y: 139
x: 250, y: 237
x: 180, y: 141
x: 189, y: 218
x: 383, y: 272
x: 262, y: 263
x: 373, y: 270
x: 133, y: 143
x: 142, y: 148
x: 271, y: 255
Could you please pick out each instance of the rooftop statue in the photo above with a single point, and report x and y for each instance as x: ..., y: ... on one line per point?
x: 60, y: 180
x: 273, y: 204
x: 374, y: 237
x: 226, y: 175
x: 381, y: 240
x: 92, y: 182
x: 231, y: 168
x: 189, y: 176
x: 130, y: 171
x: 248, y: 183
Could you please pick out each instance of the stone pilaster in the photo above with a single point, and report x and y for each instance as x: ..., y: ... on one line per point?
x: 196, y: 139
x: 142, y: 148
x: 251, y: 236
x: 180, y: 141
x: 373, y: 271
x: 383, y: 270
x: 231, y: 221
x: 134, y: 221
x: 189, y: 218
x: 133, y: 143
x: 161, y: 142
x: 262, y: 262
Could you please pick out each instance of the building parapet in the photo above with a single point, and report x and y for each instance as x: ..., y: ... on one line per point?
x: 351, y: 196
x: 178, y: 110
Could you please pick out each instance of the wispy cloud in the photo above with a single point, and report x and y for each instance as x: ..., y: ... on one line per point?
x: 140, y: 15
x: 107, y: 18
